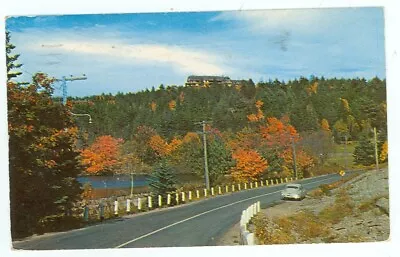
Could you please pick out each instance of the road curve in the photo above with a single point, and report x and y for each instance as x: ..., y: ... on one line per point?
x: 195, y: 224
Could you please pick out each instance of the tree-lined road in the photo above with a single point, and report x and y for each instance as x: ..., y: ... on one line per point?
x: 195, y: 224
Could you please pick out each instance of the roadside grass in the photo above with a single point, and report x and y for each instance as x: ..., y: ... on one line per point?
x: 326, y: 189
x: 306, y: 225
x: 291, y: 229
x: 341, y: 208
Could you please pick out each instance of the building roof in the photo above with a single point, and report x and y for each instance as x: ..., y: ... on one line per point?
x: 209, y: 78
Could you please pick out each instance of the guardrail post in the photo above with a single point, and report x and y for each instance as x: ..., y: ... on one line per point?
x: 272, y: 182
x: 255, y: 208
x: 183, y: 196
x: 159, y: 200
x: 190, y: 195
x: 233, y: 188
x: 128, y: 205
x: 205, y: 192
x: 197, y: 194
x: 139, y: 204
x: 245, y: 186
x: 258, y: 206
x: 281, y: 180
x: 168, y: 199
x: 291, y: 179
x: 266, y: 182
x: 219, y: 190
x: 277, y: 181
x: 177, y: 198
x: 149, y: 202
x: 116, y: 207
x: 262, y: 183
x: 239, y: 187
x: 212, y: 191
x: 256, y: 184
x: 251, y: 184
x: 286, y: 179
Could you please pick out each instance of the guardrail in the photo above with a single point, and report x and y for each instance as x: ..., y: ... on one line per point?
x: 103, y: 209
x: 246, y: 237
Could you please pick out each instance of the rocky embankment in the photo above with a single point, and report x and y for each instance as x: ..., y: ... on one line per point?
x: 354, y: 211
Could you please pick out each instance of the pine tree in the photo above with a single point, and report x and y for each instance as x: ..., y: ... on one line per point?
x: 162, y: 180
x: 364, y: 152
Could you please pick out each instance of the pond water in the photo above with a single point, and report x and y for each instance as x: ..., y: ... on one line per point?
x: 116, y: 181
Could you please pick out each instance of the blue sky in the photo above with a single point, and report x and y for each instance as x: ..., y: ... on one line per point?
x: 131, y: 52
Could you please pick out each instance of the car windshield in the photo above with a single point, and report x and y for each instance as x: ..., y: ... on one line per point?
x: 294, y: 187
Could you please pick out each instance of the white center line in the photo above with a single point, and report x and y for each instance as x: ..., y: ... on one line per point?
x: 203, y: 213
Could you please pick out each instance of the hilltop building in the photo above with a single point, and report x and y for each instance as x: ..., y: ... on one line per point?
x: 205, y: 81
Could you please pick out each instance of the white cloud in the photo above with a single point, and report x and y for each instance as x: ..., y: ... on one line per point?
x: 183, y: 60
x: 285, y: 19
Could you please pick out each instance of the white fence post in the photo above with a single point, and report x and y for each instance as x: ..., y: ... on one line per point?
x: 177, y: 198
x: 168, y: 199
x: 139, y: 203
x: 266, y: 182
x: 258, y: 206
x: 272, y: 181
x: 286, y: 179
x: 251, y: 184
x: 116, y: 207
x: 256, y: 184
x: 197, y: 194
x: 183, y: 196
x: 190, y: 195
x: 212, y: 191
x: 262, y: 183
x: 226, y: 189
x: 159, y: 200
x: 245, y: 186
x: 281, y: 180
x: 233, y: 188
x: 128, y: 205
x: 149, y: 202
x: 205, y: 192
x: 219, y: 190
x: 239, y: 186
x: 291, y: 179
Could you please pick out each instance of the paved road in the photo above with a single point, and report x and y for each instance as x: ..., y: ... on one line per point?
x: 196, y: 224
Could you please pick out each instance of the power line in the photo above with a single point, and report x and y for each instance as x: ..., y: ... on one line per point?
x: 64, y: 80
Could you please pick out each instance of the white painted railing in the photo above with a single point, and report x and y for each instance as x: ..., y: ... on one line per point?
x: 149, y: 202
x: 246, y: 237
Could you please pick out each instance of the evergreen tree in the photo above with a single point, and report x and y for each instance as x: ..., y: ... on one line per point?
x: 162, y: 180
x: 11, y: 60
x: 43, y: 161
x: 364, y: 152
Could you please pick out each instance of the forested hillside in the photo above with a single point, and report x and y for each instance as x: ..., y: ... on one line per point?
x: 251, y: 133
x: 347, y: 105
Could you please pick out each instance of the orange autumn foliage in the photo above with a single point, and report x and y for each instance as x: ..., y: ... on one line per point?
x: 249, y: 165
x: 278, y: 132
x: 325, y: 125
x: 153, y: 106
x: 172, y: 105
x: 102, y: 155
x: 163, y: 148
x: 259, y: 116
x: 303, y: 160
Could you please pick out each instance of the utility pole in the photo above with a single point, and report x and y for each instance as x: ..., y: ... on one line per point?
x: 64, y: 80
x: 376, y: 150
x: 206, y: 176
x: 345, y: 150
x: 294, y: 158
